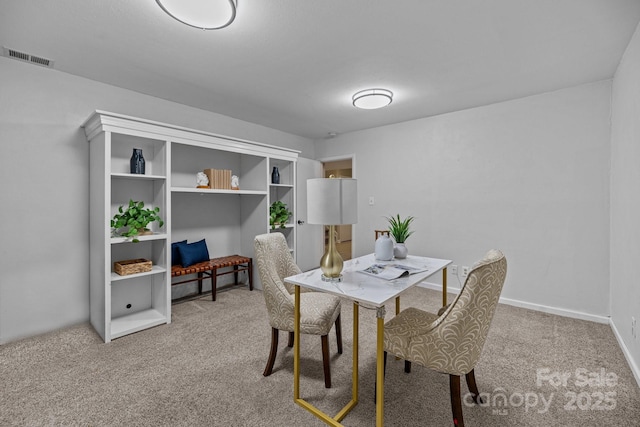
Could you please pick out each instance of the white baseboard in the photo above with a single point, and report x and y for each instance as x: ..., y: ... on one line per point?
x: 531, y: 306
x: 438, y: 287
x: 626, y: 352
x: 560, y: 312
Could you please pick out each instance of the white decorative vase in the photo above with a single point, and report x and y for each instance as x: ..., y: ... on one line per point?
x: 400, y: 251
x: 384, y: 248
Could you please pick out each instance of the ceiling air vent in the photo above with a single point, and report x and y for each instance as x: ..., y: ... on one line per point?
x: 21, y: 56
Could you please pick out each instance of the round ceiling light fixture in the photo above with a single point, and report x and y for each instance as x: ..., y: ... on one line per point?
x: 370, y: 99
x: 203, y: 14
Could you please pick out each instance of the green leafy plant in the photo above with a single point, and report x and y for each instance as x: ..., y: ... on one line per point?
x: 278, y: 214
x: 399, y: 228
x: 135, y: 218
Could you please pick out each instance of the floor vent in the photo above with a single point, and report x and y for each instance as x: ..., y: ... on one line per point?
x: 21, y: 56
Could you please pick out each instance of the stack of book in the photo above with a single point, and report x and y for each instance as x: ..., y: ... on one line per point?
x: 219, y: 178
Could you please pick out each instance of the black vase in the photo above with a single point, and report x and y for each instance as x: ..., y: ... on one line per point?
x: 275, y: 176
x: 137, y: 162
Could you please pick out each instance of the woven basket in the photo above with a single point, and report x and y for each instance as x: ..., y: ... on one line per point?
x: 132, y: 266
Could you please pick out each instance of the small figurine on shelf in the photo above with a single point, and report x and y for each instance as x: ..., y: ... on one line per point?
x: 235, y: 182
x: 202, y: 180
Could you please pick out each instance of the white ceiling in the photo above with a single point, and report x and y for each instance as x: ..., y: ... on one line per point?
x: 294, y: 64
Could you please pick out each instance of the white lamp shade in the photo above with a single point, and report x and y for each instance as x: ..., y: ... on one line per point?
x: 332, y: 201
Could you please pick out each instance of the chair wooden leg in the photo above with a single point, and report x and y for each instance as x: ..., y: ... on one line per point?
x: 473, y: 387
x: 456, y: 400
x: 407, y: 366
x: 384, y: 365
x: 272, y: 354
x: 290, y: 343
x: 339, y: 334
x: 325, y: 361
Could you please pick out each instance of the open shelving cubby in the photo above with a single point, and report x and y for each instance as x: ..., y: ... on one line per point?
x: 284, y: 191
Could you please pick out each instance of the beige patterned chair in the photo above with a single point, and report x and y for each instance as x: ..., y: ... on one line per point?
x: 451, y: 343
x: 318, y: 311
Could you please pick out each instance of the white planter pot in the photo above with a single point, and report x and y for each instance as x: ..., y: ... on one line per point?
x: 400, y: 251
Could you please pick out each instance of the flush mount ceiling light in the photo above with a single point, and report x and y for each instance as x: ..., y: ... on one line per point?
x: 203, y: 14
x: 370, y: 99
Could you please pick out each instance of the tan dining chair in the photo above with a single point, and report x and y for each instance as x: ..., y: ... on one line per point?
x: 451, y: 343
x: 318, y: 311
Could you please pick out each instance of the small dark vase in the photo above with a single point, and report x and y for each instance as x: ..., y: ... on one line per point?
x: 275, y: 176
x: 137, y: 162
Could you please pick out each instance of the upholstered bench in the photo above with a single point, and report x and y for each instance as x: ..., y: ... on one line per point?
x: 211, y: 267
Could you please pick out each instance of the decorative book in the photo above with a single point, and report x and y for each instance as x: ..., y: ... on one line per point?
x: 391, y: 271
x: 219, y: 178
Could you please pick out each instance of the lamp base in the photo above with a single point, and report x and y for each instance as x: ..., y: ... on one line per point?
x: 331, y: 262
x: 331, y: 279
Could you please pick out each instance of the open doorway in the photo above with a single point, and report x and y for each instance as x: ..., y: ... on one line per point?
x: 340, y: 169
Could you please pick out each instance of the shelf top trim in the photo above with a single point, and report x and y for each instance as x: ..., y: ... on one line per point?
x: 107, y: 121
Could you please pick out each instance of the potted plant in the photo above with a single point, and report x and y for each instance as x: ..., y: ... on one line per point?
x: 136, y: 218
x: 399, y: 229
x: 278, y: 214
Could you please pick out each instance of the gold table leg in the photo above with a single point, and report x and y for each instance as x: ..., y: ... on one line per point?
x: 444, y: 286
x: 335, y: 421
x: 380, y: 312
x: 296, y: 344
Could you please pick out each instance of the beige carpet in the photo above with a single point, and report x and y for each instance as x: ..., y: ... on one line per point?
x: 205, y: 369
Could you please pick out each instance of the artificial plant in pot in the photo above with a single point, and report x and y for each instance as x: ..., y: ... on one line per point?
x: 400, y: 231
x: 278, y: 214
x: 135, y: 219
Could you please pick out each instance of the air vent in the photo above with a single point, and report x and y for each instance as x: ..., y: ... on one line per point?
x: 25, y: 57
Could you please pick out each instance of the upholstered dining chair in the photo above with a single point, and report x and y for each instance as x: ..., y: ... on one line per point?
x: 318, y: 311
x: 451, y: 342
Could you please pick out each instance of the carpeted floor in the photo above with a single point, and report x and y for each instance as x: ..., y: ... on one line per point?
x: 205, y: 369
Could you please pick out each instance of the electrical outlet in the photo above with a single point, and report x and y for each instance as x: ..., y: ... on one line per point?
x: 454, y: 269
x: 465, y: 271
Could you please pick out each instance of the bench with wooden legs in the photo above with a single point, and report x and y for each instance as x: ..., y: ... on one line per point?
x: 210, y: 268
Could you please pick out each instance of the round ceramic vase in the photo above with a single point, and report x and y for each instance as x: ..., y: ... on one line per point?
x: 384, y: 248
x: 400, y: 251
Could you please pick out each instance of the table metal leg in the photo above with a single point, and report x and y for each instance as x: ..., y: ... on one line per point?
x: 354, y: 374
x: 332, y: 421
x: 380, y: 313
x: 444, y: 286
x: 296, y: 344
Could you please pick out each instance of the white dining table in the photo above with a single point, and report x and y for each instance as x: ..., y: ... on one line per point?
x: 369, y: 292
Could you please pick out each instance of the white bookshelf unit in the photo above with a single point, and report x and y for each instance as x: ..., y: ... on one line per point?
x: 228, y: 219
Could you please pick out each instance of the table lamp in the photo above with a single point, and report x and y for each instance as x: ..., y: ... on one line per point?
x: 332, y: 201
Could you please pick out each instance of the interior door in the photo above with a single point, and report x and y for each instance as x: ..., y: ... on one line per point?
x: 309, y: 243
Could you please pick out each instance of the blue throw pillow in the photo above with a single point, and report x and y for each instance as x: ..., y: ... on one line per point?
x: 175, y: 254
x: 193, y: 253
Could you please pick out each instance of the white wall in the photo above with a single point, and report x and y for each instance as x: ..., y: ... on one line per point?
x: 44, y: 186
x: 625, y: 201
x: 529, y: 176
